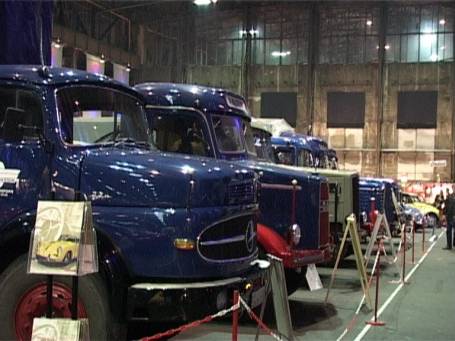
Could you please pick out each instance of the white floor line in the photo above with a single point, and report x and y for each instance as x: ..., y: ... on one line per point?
x: 395, y: 292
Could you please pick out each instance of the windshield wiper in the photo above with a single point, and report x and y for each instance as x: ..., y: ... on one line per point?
x: 130, y: 141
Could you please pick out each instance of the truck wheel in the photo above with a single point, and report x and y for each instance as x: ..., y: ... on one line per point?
x: 23, y: 297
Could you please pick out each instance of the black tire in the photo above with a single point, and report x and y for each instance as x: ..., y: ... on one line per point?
x: 15, y: 282
x: 435, y: 219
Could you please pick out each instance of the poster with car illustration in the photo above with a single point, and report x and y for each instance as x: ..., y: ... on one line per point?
x: 45, y: 329
x: 63, y: 241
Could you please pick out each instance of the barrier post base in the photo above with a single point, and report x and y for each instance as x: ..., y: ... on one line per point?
x: 375, y: 323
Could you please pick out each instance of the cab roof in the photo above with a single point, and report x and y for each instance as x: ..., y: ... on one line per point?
x: 46, y: 75
x: 298, y: 142
x: 194, y: 96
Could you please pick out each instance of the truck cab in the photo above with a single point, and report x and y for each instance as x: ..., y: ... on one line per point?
x: 176, y: 234
x: 197, y: 120
x: 380, y: 189
x: 311, y: 154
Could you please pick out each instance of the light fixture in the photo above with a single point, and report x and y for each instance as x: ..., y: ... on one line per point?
x: 204, y: 2
x: 281, y: 54
x: 251, y: 32
x: 442, y: 22
x: 57, y: 44
x: 387, y: 47
x: 434, y: 57
x: 128, y: 67
x: 442, y: 47
x: 102, y: 59
x: 369, y: 22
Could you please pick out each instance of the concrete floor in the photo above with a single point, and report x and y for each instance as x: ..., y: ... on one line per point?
x: 422, y: 310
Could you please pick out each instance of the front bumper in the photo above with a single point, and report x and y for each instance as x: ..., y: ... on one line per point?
x: 177, y: 302
x: 295, y: 258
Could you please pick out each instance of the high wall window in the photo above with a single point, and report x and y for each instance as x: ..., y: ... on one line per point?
x: 348, y: 35
x: 279, y: 105
x: 417, y: 109
x: 278, y: 33
x: 420, y: 33
x: 345, y: 109
x: 281, y: 36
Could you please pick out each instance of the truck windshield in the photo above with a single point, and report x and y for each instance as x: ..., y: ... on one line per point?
x: 92, y: 115
x: 180, y: 132
x: 229, y: 133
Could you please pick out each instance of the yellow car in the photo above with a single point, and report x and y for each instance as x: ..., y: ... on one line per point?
x: 430, y: 212
x: 62, y: 251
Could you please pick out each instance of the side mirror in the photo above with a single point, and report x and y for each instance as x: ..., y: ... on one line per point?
x: 14, y: 118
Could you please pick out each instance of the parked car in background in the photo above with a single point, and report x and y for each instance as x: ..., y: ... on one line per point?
x: 430, y: 212
x: 197, y: 120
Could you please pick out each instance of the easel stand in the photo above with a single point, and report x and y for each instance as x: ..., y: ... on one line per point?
x: 351, y: 229
x: 381, y: 229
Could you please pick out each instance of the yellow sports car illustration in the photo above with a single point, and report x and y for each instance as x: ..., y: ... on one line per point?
x: 63, y: 251
x: 429, y: 211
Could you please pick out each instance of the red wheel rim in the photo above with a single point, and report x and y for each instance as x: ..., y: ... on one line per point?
x: 33, y: 304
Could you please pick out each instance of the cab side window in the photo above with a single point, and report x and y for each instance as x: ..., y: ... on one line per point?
x: 21, y: 116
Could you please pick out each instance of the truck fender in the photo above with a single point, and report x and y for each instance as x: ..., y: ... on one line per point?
x: 271, y: 241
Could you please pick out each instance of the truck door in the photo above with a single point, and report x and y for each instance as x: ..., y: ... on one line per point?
x: 23, y: 160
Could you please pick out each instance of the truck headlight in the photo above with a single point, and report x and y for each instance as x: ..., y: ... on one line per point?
x: 295, y: 234
x: 364, y: 217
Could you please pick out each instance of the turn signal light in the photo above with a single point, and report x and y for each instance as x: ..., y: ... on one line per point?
x: 184, y: 244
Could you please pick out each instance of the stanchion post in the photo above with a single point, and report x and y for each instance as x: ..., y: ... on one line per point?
x: 423, y: 237
x: 378, y: 275
x: 403, y: 274
x: 235, y: 317
x: 49, y: 294
x: 413, y: 240
x: 74, y: 297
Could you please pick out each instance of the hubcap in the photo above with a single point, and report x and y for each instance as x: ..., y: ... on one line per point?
x: 34, y: 304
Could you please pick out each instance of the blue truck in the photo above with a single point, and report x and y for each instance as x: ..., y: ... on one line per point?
x: 293, y: 221
x: 176, y: 234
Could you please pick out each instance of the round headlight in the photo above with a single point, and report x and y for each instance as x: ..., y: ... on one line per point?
x: 295, y: 234
x: 364, y: 217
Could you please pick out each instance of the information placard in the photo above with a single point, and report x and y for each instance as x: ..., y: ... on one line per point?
x: 63, y: 241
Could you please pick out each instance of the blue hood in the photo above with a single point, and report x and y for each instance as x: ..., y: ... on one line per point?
x: 135, y: 177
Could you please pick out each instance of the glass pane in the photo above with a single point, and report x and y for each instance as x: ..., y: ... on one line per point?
x: 409, y: 48
x: 428, y: 48
x: 272, y: 47
x: 257, y: 47
x: 371, y: 50
x: 445, y: 45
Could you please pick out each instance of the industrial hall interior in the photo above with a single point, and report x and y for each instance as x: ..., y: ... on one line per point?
x: 227, y: 170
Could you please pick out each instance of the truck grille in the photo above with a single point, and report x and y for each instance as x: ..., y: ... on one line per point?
x: 240, y: 192
x: 231, y: 240
x: 355, y: 197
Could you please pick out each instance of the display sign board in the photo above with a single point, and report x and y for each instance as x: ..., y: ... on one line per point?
x: 45, y: 329
x: 312, y: 277
x: 438, y: 163
x: 64, y: 240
